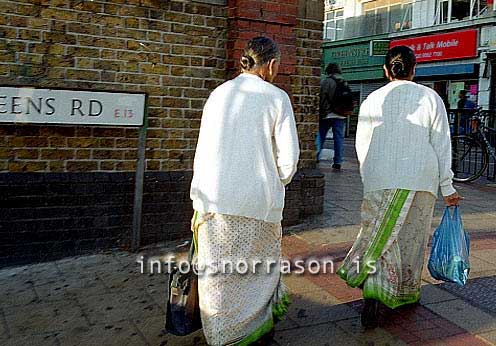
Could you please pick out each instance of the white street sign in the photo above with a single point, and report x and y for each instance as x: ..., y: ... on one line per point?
x: 53, y: 106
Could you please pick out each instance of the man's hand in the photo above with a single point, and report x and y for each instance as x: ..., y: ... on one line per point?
x: 453, y: 199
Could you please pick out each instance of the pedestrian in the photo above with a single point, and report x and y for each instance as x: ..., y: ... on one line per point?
x: 247, y: 151
x: 336, y: 103
x: 465, y: 111
x: 464, y: 102
x: 404, y: 149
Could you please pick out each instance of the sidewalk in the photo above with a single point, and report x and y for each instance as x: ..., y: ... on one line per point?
x: 104, y: 300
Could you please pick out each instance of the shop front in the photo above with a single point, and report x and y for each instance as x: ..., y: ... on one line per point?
x: 361, y: 66
x: 487, y: 93
x: 448, y: 63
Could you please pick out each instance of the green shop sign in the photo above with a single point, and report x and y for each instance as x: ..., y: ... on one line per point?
x: 355, y: 60
x: 378, y: 47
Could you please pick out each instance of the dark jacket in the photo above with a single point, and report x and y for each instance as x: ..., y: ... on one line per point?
x: 327, y: 90
x: 465, y: 103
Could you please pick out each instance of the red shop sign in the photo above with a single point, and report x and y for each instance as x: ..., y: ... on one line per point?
x: 453, y: 45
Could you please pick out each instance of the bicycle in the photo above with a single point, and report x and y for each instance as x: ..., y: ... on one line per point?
x: 471, y: 151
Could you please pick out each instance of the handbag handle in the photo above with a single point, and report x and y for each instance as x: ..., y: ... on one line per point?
x: 192, y: 250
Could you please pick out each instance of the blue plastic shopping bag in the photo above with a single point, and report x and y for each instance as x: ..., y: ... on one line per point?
x: 449, y: 259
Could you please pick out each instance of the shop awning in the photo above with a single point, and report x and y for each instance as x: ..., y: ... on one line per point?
x: 444, y: 70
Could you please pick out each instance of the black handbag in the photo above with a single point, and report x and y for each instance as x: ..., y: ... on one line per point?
x: 183, y: 308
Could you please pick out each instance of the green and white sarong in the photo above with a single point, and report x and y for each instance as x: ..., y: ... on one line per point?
x: 393, y: 238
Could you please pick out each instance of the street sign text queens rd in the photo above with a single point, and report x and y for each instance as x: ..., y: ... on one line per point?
x: 53, y: 106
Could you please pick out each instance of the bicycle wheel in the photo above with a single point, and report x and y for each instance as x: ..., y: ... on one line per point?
x: 470, y: 158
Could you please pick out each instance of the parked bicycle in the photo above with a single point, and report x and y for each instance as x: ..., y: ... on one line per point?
x: 471, y: 150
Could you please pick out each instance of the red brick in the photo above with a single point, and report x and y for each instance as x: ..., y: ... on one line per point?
x: 273, y: 7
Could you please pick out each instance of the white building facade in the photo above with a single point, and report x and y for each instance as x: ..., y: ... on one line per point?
x: 455, y: 43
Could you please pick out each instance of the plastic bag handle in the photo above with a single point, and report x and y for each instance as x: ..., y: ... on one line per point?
x: 456, y: 214
x: 446, y: 216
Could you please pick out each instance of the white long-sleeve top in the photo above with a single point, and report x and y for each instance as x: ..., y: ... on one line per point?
x: 403, y: 140
x: 247, y: 150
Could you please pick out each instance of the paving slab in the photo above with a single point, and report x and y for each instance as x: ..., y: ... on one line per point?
x: 297, y: 285
x: 121, y: 333
x: 479, y: 292
x: 488, y: 336
x: 315, y: 307
x: 486, y: 255
x: 465, y: 315
x: 434, y: 294
x: 334, y: 235
x: 32, y: 340
x: 376, y: 337
x: 319, y: 335
x: 38, y: 318
x: 114, y: 307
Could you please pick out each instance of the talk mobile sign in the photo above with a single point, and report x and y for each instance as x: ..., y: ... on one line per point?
x: 453, y: 45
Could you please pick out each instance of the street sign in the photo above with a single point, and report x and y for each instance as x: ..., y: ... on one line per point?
x: 378, y: 47
x: 59, y: 106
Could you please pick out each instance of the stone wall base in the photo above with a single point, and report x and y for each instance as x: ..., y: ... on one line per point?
x: 47, y: 216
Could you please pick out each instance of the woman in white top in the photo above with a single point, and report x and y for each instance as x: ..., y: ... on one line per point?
x: 404, y: 148
x: 247, y: 151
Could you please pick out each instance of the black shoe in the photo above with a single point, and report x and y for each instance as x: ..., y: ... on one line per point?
x: 370, y: 314
x: 266, y: 339
x: 336, y: 165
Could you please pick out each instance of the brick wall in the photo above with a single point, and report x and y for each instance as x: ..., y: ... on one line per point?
x: 277, y: 19
x: 173, y: 50
x: 177, y: 52
x: 297, y: 27
x: 65, y: 214
x: 305, y: 82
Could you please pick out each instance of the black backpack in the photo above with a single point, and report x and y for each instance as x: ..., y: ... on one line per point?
x: 342, y: 101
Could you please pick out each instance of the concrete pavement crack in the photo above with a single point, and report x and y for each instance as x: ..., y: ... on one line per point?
x: 83, y: 313
x: 33, y: 287
x: 139, y: 332
x: 5, y: 324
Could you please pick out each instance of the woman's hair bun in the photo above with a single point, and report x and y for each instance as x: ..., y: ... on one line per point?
x: 247, y: 62
x: 400, y: 62
x: 258, y: 51
x: 398, y: 68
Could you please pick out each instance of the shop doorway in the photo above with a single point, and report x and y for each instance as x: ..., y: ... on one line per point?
x: 441, y: 88
x: 454, y: 88
x: 449, y: 90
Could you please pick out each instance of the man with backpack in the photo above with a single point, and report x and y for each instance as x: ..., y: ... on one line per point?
x: 336, y: 103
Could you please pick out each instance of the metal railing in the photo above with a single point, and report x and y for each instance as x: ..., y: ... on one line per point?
x: 460, y: 123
